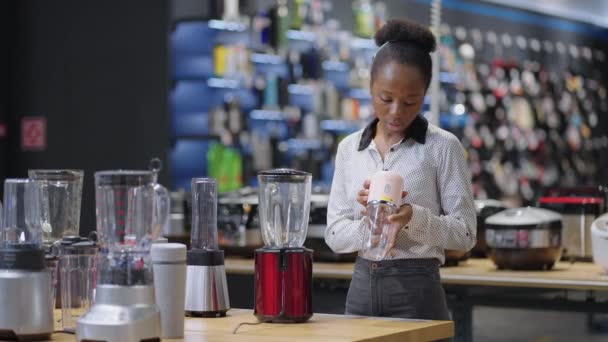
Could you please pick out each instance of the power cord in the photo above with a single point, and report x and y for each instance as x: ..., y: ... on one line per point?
x: 248, y: 323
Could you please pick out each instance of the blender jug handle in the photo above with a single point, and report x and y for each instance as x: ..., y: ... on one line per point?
x: 155, y: 165
x: 163, y: 199
x: 163, y: 208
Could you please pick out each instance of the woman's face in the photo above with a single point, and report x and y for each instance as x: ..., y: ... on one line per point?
x: 397, y: 96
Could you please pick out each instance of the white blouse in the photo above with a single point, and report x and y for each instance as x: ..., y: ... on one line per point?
x: 436, y: 176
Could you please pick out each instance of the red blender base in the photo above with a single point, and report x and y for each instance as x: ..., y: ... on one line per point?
x: 283, y: 285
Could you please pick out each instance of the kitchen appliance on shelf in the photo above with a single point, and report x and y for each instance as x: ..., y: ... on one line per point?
x: 206, y: 285
x: 484, y: 208
x: 131, y: 209
x: 26, y: 302
x: 524, y: 238
x: 62, y: 190
x: 283, y: 267
x: 599, y: 240
x: 579, y: 207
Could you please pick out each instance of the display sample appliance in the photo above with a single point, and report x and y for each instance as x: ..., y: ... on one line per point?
x: 578, y: 207
x: 62, y: 189
x: 131, y: 208
x: 524, y: 238
x: 206, y: 285
x: 283, y: 267
x: 599, y: 239
x: 26, y: 302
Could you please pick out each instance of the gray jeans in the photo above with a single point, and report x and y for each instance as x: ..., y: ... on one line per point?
x: 405, y: 288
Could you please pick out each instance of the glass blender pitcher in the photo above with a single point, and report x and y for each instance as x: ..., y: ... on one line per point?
x: 63, y: 188
x: 25, y: 282
x: 131, y: 209
x: 63, y: 191
x: 283, y: 268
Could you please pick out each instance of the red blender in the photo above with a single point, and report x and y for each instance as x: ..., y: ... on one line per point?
x: 283, y: 267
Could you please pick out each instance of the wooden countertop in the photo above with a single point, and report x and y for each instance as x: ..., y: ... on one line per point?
x: 322, y: 327
x: 565, y: 275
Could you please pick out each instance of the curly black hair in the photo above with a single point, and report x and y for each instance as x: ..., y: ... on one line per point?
x: 405, y: 42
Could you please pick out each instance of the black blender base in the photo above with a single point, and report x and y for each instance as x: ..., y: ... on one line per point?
x: 206, y: 314
x: 9, y: 335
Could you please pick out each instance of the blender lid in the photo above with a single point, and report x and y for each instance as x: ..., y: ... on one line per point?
x: 481, y: 204
x: 125, y: 177
x: 168, y: 252
x: 526, y: 216
x: 55, y: 175
x: 284, y: 175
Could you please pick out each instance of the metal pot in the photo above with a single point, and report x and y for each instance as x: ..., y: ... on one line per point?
x: 524, y: 238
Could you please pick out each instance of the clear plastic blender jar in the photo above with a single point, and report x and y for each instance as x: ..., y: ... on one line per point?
x: 131, y: 210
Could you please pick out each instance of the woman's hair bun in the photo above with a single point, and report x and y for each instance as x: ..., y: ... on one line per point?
x: 402, y: 30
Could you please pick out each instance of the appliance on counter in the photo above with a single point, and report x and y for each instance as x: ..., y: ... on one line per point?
x: 25, y: 282
x: 206, y: 285
x: 77, y: 267
x: 484, y: 208
x: 62, y: 190
x: 283, y: 268
x: 579, y: 207
x: 131, y: 209
x: 599, y: 241
x: 524, y: 238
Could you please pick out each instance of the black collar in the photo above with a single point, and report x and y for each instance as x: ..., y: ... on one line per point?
x: 416, y: 131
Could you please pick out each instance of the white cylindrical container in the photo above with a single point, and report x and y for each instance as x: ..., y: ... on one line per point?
x: 169, y: 267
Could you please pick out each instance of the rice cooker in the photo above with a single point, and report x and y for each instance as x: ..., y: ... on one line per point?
x: 524, y: 238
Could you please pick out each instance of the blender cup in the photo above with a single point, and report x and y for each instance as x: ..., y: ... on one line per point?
x: 77, y: 267
x: 206, y: 285
x: 383, y: 201
x: 62, y: 189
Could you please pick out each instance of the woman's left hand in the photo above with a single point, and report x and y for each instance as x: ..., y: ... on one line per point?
x: 399, y: 220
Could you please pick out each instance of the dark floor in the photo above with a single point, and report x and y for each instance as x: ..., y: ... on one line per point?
x: 489, y: 324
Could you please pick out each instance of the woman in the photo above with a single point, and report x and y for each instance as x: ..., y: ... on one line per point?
x: 438, y: 211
